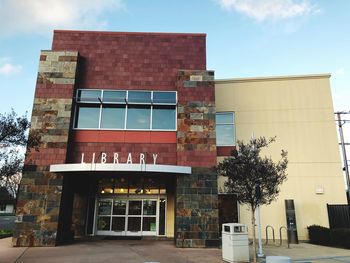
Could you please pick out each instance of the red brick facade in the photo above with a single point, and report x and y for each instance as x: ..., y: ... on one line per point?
x: 137, y: 61
x: 121, y: 61
x: 132, y: 60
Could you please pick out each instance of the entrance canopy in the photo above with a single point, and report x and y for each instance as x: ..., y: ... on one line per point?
x: 110, y: 167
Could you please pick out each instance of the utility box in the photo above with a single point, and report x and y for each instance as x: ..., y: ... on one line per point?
x: 291, y: 222
x: 235, y: 244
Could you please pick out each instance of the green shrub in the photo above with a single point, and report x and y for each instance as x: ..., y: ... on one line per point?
x: 340, y: 237
x: 319, y: 235
x: 5, y: 233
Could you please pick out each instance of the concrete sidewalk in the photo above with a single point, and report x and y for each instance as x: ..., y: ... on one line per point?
x: 305, y: 253
x: 140, y: 251
x: 116, y: 251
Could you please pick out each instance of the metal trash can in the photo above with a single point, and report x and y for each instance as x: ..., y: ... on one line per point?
x: 235, y: 244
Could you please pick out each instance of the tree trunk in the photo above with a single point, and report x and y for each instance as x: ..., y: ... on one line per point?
x: 254, y: 239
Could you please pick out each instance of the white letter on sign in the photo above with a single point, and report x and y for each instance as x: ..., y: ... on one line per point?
x: 129, y: 161
x: 142, y: 158
x: 82, y: 158
x: 155, y: 158
x: 115, y: 159
x: 103, y: 158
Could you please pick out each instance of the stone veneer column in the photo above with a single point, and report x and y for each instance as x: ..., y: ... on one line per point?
x: 196, y: 194
x: 40, y: 191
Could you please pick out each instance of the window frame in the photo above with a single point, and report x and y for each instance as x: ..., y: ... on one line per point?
x: 126, y: 103
x: 226, y: 123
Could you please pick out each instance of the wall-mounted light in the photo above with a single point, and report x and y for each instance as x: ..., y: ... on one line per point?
x: 319, y: 190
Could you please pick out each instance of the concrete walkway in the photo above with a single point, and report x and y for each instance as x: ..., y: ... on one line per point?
x: 141, y: 251
x: 305, y: 253
x: 116, y: 251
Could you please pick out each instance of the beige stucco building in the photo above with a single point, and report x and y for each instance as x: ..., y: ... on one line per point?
x: 299, y: 111
x: 132, y: 126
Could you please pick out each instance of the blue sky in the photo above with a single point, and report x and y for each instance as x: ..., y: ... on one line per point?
x: 245, y: 38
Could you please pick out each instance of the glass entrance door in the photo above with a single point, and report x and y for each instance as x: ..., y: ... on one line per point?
x: 134, y: 218
x: 130, y: 217
x: 119, y: 217
x: 149, y: 217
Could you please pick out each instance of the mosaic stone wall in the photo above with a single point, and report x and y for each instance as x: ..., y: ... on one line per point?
x: 196, y: 197
x: 40, y: 191
x: 197, y: 222
x: 196, y: 141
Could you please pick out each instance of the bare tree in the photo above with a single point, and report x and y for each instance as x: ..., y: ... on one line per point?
x: 255, y: 180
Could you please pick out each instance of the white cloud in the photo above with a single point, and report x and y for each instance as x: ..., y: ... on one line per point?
x: 339, y: 72
x: 9, y: 69
x: 262, y: 10
x: 42, y: 16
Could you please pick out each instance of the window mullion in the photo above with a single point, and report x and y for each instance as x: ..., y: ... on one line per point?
x: 100, y: 117
x: 126, y: 116
x: 151, y: 115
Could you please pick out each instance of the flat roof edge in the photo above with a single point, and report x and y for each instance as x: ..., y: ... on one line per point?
x: 128, y: 33
x: 275, y: 78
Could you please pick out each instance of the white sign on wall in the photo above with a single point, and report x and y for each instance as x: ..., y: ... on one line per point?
x: 104, y: 156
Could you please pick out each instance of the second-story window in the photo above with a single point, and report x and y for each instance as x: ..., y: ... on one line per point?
x: 125, y: 110
x: 225, y: 129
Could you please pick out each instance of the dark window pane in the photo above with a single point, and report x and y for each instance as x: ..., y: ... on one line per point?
x: 162, y: 216
x: 89, y: 95
x: 114, y: 96
x: 164, y: 97
x: 225, y: 134
x: 149, y: 207
x: 87, y: 117
x: 149, y: 224
x: 228, y: 209
x: 139, y: 97
x: 118, y: 224
x: 119, y: 207
x: 135, y: 207
x: 104, y: 223
x: 163, y: 118
x: 134, y: 224
x: 104, y: 207
x: 225, y: 117
x: 138, y: 117
x: 113, y: 117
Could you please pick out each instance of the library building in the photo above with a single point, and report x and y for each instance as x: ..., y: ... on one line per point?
x: 132, y: 126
